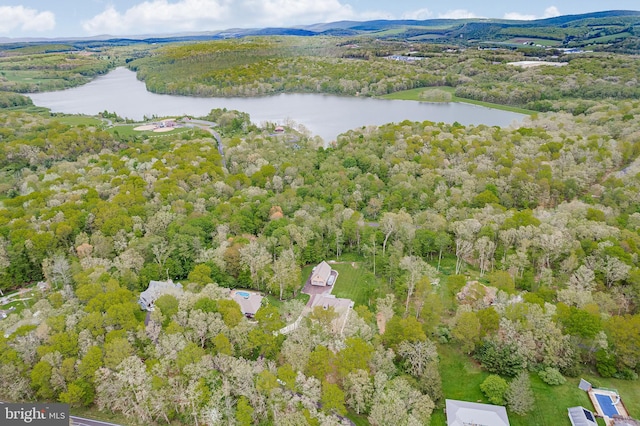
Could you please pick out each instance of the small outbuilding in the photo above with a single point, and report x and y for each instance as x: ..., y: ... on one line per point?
x: 156, y: 289
x: 463, y: 413
x: 580, y: 416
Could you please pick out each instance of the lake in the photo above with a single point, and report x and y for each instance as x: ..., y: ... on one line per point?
x: 324, y: 115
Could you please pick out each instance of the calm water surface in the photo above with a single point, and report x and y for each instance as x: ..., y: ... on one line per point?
x: 324, y: 115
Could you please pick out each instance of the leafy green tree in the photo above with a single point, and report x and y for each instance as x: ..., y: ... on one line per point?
x: 244, y: 412
x: 266, y: 381
x: 494, y: 388
x: 355, y: 356
x: 91, y: 361
x: 222, y: 345
x: 321, y: 362
x: 552, y: 376
x: 201, y: 274
x: 41, y: 380
x: 399, y: 330
x: 467, y: 331
x: 333, y: 399
x: 168, y: 305
x: 78, y: 394
x: 500, y: 358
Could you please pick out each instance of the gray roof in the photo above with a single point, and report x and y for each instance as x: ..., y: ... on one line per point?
x: 584, y: 385
x: 463, y: 413
x: 580, y: 416
x: 321, y: 274
x: 250, y: 305
x: 157, y: 289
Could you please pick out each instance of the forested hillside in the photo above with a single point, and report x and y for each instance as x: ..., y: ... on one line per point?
x: 262, y: 66
x: 545, y: 214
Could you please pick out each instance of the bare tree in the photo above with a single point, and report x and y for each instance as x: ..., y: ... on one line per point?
x: 416, y: 268
x: 485, y: 248
x: 286, y: 273
x: 463, y: 249
x: 255, y: 257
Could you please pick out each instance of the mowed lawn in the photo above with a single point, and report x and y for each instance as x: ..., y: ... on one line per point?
x: 78, y: 120
x: 461, y: 379
x: 354, y: 282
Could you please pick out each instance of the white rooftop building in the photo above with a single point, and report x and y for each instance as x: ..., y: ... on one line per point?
x: 463, y: 413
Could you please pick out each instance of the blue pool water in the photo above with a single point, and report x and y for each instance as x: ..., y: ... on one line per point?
x: 243, y: 294
x: 606, y: 404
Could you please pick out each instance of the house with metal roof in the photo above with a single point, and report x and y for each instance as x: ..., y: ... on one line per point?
x: 463, y: 413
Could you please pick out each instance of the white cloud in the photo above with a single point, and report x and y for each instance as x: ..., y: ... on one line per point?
x: 419, y: 14
x: 550, y: 12
x: 198, y: 15
x: 25, y: 19
x: 458, y: 14
x: 516, y: 16
x: 159, y: 15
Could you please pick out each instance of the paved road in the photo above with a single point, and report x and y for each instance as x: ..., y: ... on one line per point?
x: 208, y: 126
x: 80, y: 421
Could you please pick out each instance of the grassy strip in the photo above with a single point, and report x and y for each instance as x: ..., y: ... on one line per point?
x: 461, y: 378
x: 414, y: 95
x: 124, y: 130
x: 79, y: 120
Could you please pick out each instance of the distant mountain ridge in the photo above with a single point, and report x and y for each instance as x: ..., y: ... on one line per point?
x: 614, y: 26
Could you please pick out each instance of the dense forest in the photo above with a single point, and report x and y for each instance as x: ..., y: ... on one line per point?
x: 253, y: 67
x: 486, y: 264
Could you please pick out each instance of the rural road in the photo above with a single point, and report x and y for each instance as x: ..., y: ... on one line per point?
x: 80, y: 421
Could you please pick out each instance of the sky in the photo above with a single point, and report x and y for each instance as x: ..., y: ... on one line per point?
x: 81, y: 18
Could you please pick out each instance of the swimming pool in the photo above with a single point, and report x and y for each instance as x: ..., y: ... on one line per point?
x: 243, y: 294
x: 606, y: 404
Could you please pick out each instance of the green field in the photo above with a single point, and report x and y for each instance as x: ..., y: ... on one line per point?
x: 355, y: 283
x: 541, y: 41
x: 79, y: 120
x: 461, y: 378
x: 414, y: 95
x: 127, y: 130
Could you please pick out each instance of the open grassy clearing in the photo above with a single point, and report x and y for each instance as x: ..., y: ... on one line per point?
x: 414, y: 95
x: 355, y: 282
x: 127, y: 130
x: 461, y: 379
x: 79, y: 120
x: 26, y: 76
x: 541, y: 41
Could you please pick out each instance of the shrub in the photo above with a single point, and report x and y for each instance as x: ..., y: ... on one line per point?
x: 605, y: 363
x: 500, y: 359
x: 552, y: 376
x: 494, y: 388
